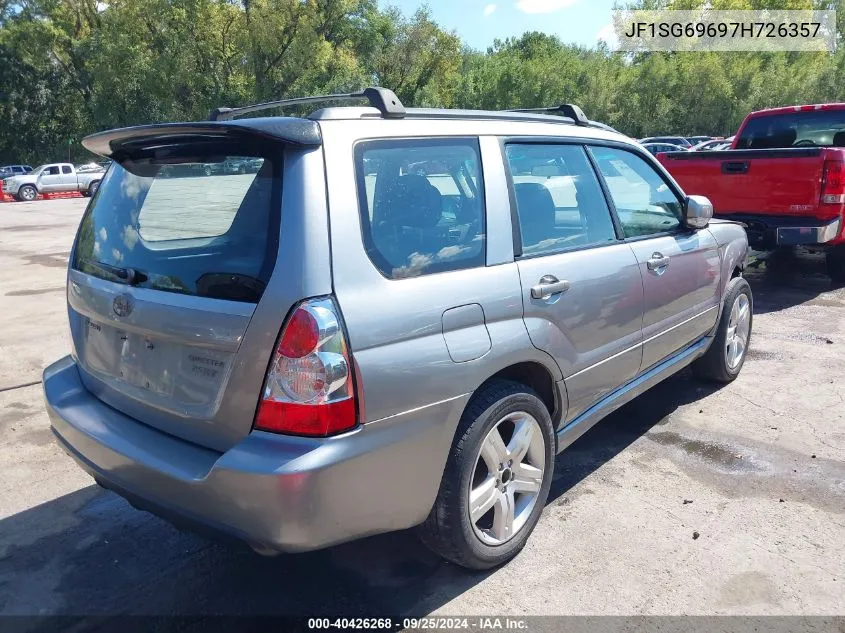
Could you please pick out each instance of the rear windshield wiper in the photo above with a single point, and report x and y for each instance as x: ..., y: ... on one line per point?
x: 129, y: 275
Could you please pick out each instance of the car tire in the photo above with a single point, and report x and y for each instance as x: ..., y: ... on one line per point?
x: 727, y: 353
x: 27, y: 193
x: 207, y: 171
x: 835, y: 259
x: 92, y: 188
x: 500, y: 407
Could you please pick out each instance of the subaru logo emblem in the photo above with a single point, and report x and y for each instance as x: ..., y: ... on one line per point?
x: 122, y: 305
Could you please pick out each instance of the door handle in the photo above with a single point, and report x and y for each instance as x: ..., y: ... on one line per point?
x: 735, y: 167
x: 549, y: 285
x: 657, y: 261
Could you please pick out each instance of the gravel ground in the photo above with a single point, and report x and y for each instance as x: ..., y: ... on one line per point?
x: 691, y: 500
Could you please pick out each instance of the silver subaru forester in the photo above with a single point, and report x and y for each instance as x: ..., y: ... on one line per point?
x: 392, y: 318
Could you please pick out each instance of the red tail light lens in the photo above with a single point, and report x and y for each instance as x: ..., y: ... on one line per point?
x: 833, y: 182
x: 308, y: 388
x: 301, y: 335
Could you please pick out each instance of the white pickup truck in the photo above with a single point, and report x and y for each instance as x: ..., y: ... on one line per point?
x: 52, y: 178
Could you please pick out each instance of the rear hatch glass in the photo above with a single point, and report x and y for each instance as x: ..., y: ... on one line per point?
x: 197, y: 228
x: 171, y: 258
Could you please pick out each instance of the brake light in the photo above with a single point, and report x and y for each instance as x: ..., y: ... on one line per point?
x: 308, y: 389
x: 833, y: 182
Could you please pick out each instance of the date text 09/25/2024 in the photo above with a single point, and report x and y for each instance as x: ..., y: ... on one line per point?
x: 422, y: 624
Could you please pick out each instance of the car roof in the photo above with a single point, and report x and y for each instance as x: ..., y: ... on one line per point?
x: 797, y: 108
x: 385, y: 109
x: 309, y: 131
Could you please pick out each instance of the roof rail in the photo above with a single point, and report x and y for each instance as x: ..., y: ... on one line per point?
x: 566, y: 109
x: 382, y: 99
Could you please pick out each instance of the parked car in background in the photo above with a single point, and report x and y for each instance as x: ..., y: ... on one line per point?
x: 192, y: 170
x: 241, y: 165
x: 680, y: 141
x: 89, y: 167
x: 14, y: 170
x: 655, y: 148
x: 398, y: 321
x: 784, y: 177
x: 52, y: 178
x: 715, y: 144
x: 695, y: 140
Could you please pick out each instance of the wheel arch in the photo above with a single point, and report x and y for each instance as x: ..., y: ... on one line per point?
x: 32, y: 185
x: 537, y: 377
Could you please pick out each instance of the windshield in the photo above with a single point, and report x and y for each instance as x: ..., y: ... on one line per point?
x: 819, y: 128
x: 189, y: 226
x: 37, y: 170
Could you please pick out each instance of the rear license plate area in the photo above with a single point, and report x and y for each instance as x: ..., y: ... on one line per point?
x: 141, y: 361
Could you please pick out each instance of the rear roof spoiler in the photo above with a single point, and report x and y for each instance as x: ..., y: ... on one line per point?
x: 295, y: 131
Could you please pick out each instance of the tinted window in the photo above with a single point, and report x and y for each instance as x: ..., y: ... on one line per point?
x: 422, y: 205
x: 820, y: 128
x: 209, y: 235
x: 644, y: 201
x: 558, y: 198
x: 51, y: 171
x: 66, y: 169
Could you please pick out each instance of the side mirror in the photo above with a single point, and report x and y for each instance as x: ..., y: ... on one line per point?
x: 698, y: 211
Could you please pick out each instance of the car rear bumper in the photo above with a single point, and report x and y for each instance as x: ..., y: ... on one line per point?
x: 766, y: 231
x: 821, y: 234
x: 277, y: 493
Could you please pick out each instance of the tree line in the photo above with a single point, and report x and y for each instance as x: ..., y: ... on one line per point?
x: 72, y: 67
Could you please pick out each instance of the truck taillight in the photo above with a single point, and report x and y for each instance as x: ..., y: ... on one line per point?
x: 308, y: 389
x: 833, y: 182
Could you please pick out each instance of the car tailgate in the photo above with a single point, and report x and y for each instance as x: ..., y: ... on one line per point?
x: 169, y: 317
x: 785, y: 182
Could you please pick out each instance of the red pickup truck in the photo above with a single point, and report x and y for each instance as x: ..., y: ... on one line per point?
x: 783, y: 177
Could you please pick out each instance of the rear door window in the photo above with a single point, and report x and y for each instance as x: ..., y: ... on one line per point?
x: 188, y: 226
x: 422, y: 205
x: 558, y: 198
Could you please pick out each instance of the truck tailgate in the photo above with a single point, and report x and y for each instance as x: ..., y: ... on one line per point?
x: 777, y: 182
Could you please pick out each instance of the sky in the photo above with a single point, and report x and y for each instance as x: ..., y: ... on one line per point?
x: 479, y: 22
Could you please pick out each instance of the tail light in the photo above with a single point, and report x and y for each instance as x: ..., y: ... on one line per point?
x: 833, y: 182
x: 308, y: 389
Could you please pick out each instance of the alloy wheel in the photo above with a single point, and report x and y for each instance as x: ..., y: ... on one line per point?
x: 507, y: 478
x: 739, y: 328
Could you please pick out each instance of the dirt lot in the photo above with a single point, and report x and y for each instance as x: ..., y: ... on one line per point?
x: 755, y: 469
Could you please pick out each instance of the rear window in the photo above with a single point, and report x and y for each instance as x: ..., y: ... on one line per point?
x: 818, y: 128
x: 200, y: 225
x: 422, y: 205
